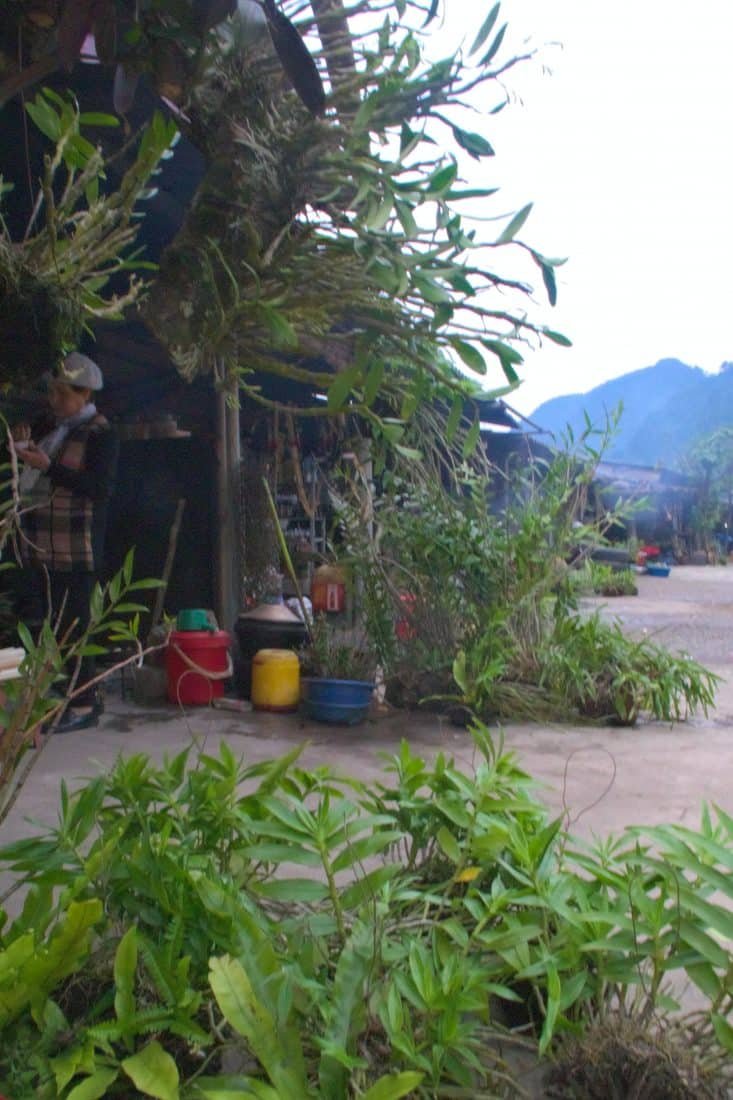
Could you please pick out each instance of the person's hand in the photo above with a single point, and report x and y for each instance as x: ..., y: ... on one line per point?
x: 33, y: 456
x: 21, y: 433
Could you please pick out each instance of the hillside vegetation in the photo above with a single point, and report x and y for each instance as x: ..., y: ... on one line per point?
x: 667, y: 407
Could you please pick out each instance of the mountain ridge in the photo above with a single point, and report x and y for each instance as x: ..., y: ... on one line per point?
x: 666, y: 408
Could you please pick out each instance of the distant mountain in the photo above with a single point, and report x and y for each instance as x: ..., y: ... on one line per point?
x: 667, y: 407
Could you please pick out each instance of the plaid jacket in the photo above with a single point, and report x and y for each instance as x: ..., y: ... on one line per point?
x: 61, y: 530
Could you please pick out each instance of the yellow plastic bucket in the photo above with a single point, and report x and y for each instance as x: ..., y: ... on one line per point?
x: 275, y: 680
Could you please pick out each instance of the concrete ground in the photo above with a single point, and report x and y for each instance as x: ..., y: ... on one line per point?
x: 606, y: 778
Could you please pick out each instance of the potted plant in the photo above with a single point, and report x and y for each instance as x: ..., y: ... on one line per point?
x: 339, y: 672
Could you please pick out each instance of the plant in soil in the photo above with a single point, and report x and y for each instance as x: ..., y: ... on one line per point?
x: 204, y: 927
x: 337, y: 653
x: 473, y: 565
x: 598, y: 579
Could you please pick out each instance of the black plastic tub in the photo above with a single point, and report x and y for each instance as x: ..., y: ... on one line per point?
x: 254, y: 634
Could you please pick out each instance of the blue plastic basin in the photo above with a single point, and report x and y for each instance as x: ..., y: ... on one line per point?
x: 343, y: 702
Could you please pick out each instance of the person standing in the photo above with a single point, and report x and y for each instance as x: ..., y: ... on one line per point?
x: 69, y: 465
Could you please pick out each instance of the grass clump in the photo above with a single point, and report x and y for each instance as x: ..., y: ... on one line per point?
x: 598, y: 579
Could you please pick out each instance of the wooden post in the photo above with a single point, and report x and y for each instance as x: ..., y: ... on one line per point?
x: 228, y: 571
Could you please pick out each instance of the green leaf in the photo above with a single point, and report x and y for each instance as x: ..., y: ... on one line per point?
x: 454, y: 418
x: 341, y: 387
x: 282, y: 332
x: 373, y: 383
x: 441, y: 180
x: 125, y: 966
x: 548, y: 278
x: 379, y: 214
x: 345, y: 1016
x: 392, y: 1087
x: 486, y: 29
x: 410, y: 453
x: 153, y: 1072
x: 705, y: 978
x: 367, y: 888
x: 710, y: 950
x: 494, y: 47
x: 472, y: 438
x: 508, y: 357
x: 557, y: 338
x: 276, y: 1046
x: 92, y: 195
x: 98, y: 118
x: 723, y: 1032
x: 431, y: 290
x: 404, y: 213
x: 45, y: 118
x: 474, y: 144
x: 365, y: 848
x: 470, y: 355
x: 292, y: 890
x: 515, y: 225
x: 554, y: 991
x: 449, y: 845
x: 93, y: 1087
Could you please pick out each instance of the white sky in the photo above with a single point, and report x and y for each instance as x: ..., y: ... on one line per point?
x: 624, y: 146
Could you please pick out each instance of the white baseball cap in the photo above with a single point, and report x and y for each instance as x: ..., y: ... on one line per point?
x: 80, y: 370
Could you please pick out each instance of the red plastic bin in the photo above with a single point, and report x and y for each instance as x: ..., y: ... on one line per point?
x: 197, y: 663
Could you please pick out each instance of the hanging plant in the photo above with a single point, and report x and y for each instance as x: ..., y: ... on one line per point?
x: 55, y: 280
x: 338, y: 252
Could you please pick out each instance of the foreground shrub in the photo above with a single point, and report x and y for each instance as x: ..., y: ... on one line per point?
x: 272, y: 932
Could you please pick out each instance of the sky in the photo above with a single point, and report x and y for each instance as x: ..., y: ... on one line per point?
x: 621, y: 134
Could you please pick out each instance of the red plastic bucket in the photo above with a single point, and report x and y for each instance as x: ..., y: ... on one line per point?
x: 197, y: 663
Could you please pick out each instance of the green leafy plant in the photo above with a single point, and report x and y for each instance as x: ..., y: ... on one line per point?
x: 438, y: 916
x: 336, y: 653
x: 52, y: 661
x: 472, y: 604
x: 605, y: 674
x: 599, y: 579
x: 54, y: 280
x: 358, y: 275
